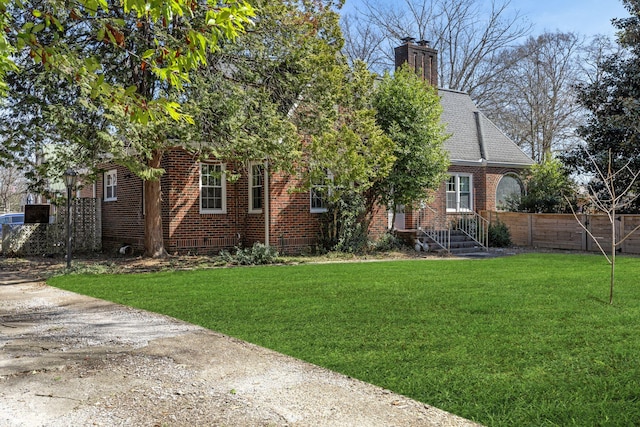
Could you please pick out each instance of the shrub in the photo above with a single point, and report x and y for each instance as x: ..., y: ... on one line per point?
x: 258, y: 254
x: 344, y: 225
x: 499, y: 235
x: 387, y: 242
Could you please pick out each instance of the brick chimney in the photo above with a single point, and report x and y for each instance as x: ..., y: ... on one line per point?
x: 421, y: 57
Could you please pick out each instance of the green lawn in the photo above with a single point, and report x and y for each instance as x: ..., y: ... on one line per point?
x: 526, y: 340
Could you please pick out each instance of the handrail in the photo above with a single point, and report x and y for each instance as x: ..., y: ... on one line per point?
x: 474, y: 226
x: 438, y: 228
x: 435, y: 228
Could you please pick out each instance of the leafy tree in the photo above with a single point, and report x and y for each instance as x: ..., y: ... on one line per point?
x: 42, y: 29
x: 242, y: 104
x: 613, y: 104
x: 120, y: 64
x: 548, y: 186
x: 408, y: 110
x: 356, y: 153
x: 260, y: 95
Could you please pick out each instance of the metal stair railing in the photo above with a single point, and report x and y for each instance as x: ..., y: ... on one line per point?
x: 437, y: 228
x: 472, y: 225
x: 434, y: 226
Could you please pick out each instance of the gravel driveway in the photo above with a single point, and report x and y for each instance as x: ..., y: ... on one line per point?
x: 71, y: 360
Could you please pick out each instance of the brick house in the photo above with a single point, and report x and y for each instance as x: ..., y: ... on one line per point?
x: 485, y: 163
x: 203, y: 213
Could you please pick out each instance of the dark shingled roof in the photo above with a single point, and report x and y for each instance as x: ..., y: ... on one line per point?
x: 474, y: 138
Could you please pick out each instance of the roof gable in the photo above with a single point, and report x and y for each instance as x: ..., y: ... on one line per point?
x: 474, y: 138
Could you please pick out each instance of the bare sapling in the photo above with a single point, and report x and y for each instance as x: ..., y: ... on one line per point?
x: 610, y: 202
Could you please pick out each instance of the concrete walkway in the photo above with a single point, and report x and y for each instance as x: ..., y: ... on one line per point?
x: 70, y: 360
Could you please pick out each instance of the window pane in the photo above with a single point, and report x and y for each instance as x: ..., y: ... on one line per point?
x: 508, y: 187
x: 465, y: 184
x: 465, y: 201
x: 257, y: 182
x: 257, y: 198
x: 451, y: 183
x: 212, y: 187
x: 451, y: 200
x: 257, y: 175
x: 316, y: 199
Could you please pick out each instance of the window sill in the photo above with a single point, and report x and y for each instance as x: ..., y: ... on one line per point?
x: 213, y: 212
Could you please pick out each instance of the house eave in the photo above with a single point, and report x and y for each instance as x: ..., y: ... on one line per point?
x: 509, y: 165
x: 485, y: 163
x: 475, y: 163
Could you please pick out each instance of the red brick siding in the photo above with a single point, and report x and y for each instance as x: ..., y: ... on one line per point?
x: 485, y: 183
x: 379, y: 222
x: 187, y: 229
x: 122, y: 219
x: 293, y: 228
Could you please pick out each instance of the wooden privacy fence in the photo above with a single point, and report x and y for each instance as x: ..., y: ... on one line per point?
x: 51, y: 239
x: 562, y: 231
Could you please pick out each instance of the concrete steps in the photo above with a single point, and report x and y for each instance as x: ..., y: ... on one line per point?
x: 460, y: 243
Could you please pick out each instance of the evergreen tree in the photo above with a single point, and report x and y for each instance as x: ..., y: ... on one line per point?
x: 613, y: 103
x: 548, y: 186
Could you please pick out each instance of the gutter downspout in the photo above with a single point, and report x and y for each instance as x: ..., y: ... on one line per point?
x: 267, y: 212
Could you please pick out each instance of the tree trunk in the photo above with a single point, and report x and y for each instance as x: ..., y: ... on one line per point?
x: 613, y: 247
x: 153, y: 240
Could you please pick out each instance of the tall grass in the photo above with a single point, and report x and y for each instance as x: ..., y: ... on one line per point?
x: 517, y: 341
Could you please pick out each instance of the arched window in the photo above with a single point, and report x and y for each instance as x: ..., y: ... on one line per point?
x: 509, y: 186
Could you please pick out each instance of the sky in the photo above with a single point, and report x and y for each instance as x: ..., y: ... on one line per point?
x: 587, y: 17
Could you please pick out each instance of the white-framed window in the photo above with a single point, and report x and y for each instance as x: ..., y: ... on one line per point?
x: 319, y: 193
x: 213, y: 189
x: 110, y: 185
x: 256, y: 187
x: 459, y: 194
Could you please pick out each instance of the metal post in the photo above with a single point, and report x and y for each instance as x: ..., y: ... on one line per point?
x: 68, y: 227
x: 70, y: 182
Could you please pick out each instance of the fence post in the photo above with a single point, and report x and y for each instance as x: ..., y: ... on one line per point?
x: 585, y: 237
x: 530, y: 234
x: 620, y: 233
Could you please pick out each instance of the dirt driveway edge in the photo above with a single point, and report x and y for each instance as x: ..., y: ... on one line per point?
x: 68, y: 359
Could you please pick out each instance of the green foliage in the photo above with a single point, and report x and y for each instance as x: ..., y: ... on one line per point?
x: 258, y: 254
x: 253, y: 100
x: 546, y: 186
x: 179, y: 34
x: 499, y: 235
x: 613, y: 105
x: 408, y: 110
x: 525, y: 340
x: 353, y: 150
x: 351, y: 146
x: 122, y: 101
x: 6, y: 49
x: 343, y: 227
x: 387, y: 242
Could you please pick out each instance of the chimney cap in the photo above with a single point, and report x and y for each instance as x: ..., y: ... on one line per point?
x: 408, y: 40
x: 424, y: 43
